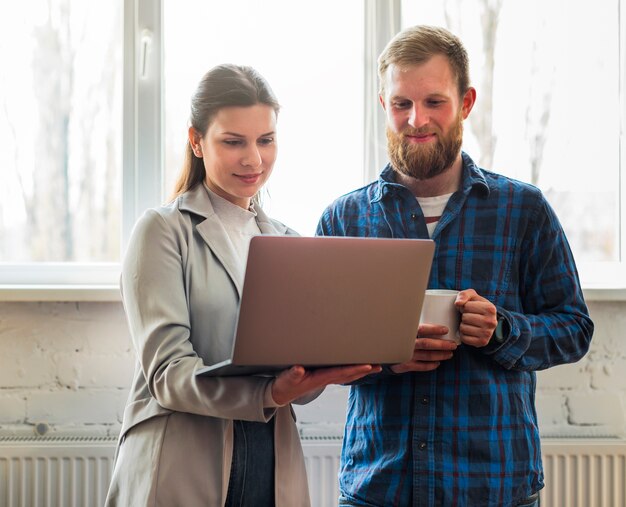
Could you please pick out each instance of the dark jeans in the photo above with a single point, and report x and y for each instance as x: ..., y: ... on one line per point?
x: 251, y: 482
x: 531, y: 501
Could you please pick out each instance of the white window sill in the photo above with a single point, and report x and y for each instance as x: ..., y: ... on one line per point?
x: 111, y: 293
x: 60, y: 293
x: 605, y: 294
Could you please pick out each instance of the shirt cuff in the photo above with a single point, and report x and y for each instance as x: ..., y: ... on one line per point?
x: 500, y: 336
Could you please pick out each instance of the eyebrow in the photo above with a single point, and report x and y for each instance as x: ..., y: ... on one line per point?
x: 234, y: 134
x: 435, y: 95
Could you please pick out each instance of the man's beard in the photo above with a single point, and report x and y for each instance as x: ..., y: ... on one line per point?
x: 424, y: 161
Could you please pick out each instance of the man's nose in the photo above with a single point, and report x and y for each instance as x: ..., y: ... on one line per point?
x: 418, y: 117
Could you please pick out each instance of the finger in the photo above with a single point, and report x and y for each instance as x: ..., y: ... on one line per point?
x: 477, y: 325
x: 480, y: 329
x: 288, y: 385
x: 425, y: 330
x: 434, y: 337
x: 468, y: 296
x: 432, y: 355
x: 464, y: 296
x: 346, y: 370
x: 418, y: 366
x: 476, y: 331
x: 354, y: 377
x: 479, y: 308
x: 374, y: 368
x: 340, y: 374
x: 474, y: 341
x: 434, y: 344
x: 293, y: 375
x: 476, y: 336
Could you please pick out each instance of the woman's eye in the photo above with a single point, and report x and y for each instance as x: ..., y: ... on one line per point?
x: 233, y: 142
x: 266, y: 140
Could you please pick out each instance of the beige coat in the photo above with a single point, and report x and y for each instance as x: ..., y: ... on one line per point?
x: 181, y: 285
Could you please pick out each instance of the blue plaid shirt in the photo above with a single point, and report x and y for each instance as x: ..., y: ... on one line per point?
x: 466, y: 433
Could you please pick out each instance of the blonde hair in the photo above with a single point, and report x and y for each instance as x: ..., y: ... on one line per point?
x: 417, y: 45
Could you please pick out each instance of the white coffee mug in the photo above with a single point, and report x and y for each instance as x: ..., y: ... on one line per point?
x: 438, y: 308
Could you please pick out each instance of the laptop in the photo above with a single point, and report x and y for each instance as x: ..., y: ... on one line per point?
x: 327, y: 301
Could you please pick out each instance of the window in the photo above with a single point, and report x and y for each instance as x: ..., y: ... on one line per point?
x: 311, y: 54
x: 60, y: 132
x: 60, y: 129
x: 549, y: 108
x: 93, y: 113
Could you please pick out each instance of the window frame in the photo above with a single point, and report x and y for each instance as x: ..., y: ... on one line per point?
x: 142, y: 172
x: 143, y: 155
x: 602, y: 281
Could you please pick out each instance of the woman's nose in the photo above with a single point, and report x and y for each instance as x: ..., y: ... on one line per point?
x: 252, y: 157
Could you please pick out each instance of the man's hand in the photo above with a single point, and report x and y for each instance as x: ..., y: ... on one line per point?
x: 478, y: 322
x: 429, y: 350
x: 479, y: 318
x: 295, y: 382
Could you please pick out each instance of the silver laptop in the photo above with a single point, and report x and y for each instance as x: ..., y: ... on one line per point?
x: 324, y: 301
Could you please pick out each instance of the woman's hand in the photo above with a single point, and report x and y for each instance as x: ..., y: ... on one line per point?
x: 295, y: 382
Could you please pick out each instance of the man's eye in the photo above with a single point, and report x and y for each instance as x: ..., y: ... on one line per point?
x: 402, y: 105
x: 435, y: 103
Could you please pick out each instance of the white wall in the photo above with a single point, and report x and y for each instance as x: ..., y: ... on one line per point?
x: 67, y: 365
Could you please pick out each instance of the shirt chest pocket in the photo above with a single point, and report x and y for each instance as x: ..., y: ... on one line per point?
x: 487, y: 264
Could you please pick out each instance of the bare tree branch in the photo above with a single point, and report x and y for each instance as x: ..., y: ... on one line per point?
x: 538, y: 111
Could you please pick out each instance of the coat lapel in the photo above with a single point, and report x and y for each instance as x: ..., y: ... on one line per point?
x: 214, y: 235
x: 212, y: 231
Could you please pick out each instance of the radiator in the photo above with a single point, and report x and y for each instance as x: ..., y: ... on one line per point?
x: 584, y: 473
x: 55, y: 472
x: 75, y: 472
x: 321, y: 457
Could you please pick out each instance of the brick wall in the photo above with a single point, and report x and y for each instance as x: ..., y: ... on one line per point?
x: 64, y: 368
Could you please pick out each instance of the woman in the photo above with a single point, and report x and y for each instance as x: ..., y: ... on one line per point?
x: 199, y: 441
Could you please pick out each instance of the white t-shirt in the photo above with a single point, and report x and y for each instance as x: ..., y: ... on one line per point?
x: 433, y: 207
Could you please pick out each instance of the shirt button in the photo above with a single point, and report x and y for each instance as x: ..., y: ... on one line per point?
x: 425, y: 400
x: 414, y: 216
x: 422, y: 446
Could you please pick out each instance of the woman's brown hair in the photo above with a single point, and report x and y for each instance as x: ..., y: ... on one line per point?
x: 225, y: 85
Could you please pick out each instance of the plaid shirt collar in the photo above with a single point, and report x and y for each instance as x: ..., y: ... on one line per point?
x: 473, y: 178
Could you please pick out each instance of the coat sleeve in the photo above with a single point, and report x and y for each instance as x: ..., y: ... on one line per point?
x: 155, y: 301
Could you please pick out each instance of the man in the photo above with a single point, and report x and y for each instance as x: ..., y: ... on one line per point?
x: 456, y: 426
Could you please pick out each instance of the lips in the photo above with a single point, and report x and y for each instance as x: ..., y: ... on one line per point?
x: 419, y: 138
x: 249, y: 178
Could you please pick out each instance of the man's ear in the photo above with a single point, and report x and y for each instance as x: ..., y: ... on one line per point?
x: 469, y: 99
x: 381, y: 99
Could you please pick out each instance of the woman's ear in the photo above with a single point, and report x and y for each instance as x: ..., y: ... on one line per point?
x: 194, y: 142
